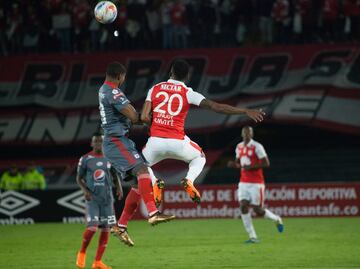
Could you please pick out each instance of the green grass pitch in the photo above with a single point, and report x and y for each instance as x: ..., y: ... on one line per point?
x: 305, y: 243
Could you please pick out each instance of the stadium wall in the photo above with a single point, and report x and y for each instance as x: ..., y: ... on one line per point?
x: 218, y: 201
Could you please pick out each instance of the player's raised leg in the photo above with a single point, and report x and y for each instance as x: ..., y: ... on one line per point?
x: 158, y: 188
x: 266, y: 213
x: 145, y: 190
x: 132, y: 202
x: 195, y: 156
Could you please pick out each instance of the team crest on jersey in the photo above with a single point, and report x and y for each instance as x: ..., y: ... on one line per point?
x: 115, y: 91
x: 99, y: 163
x: 250, y: 152
x: 99, y: 175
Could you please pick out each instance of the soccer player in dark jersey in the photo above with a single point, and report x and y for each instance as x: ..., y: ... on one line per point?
x: 117, y: 116
x: 95, y: 177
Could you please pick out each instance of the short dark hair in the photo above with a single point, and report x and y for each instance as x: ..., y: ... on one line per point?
x: 180, y: 69
x: 115, y: 69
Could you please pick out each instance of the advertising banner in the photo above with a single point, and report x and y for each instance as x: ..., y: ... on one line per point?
x: 312, y: 85
x: 218, y: 201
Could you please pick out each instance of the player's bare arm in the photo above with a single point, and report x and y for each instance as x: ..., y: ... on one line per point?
x: 264, y: 163
x: 80, y: 181
x: 234, y: 164
x: 130, y: 112
x: 256, y: 115
x: 146, y: 113
x: 117, y: 182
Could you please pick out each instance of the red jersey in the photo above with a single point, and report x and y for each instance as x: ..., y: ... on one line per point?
x: 170, y: 102
x: 250, y: 154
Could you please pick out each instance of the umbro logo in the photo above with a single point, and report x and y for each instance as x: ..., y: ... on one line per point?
x: 13, y: 203
x: 74, y: 201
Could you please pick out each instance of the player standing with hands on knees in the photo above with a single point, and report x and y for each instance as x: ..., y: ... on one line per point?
x: 117, y: 116
x: 165, y: 109
x: 95, y: 177
x: 252, y: 158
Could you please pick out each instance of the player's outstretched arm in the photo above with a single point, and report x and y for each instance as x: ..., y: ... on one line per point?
x: 146, y: 113
x: 130, y: 112
x: 256, y: 115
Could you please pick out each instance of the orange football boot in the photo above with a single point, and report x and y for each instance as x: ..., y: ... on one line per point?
x: 100, y: 265
x: 80, y: 260
x: 158, y: 191
x: 191, y: 190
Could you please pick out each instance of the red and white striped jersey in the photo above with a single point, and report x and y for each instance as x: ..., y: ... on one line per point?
x: 170, y: 102
x: 250, y: 154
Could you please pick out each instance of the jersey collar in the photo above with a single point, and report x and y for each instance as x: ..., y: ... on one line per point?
x: 176, y: 81
x: 96, y: 154
x: 111, y: 84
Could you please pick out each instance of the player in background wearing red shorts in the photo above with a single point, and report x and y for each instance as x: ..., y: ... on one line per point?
x: 165, y: 110
x: 252, y: 158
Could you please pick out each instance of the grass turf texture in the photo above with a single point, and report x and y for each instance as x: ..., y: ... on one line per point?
x: 305, y: 243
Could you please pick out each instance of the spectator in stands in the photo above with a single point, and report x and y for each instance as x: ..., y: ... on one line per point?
x: 61, y: 23
x: 31, y: 30
x: 352, y: 19
x: 122, y: 38
x: 14, y: 29
x: 281, y: 15
x: 3, y: 39
x: 11, y: 180
x: 208, y: 19
x: 80, y: 17
x: 264, y: 9
x: 154, y: 25
x: 330, y: 19
x: 167, y: 27
x: 178, y: 20
x: 33, y: 179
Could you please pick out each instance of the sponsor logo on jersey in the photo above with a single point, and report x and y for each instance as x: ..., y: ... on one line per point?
x: 250, y: 152
x: 99, y: 175
x: 99, y: 163
x: 115, y: 91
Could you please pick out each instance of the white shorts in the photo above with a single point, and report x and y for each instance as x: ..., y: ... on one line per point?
x: 252, y: 192
x: 158, y: 149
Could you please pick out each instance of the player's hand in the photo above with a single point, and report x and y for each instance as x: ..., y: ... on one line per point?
x: 246, y: 167
x: 87, y: 195
x: 256, y: 115
x: 119, y: 193
x: 233, y: 164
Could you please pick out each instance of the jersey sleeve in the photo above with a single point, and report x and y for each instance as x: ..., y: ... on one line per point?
x: 118, y: 99
x: 193, y: 97
x: 148, y: 97
x: 260, y: 151
x: 81, y: 168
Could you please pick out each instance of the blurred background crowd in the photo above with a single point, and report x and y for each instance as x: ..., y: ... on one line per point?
x: 34, y: 26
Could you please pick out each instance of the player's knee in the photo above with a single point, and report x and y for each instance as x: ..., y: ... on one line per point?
x: 259, y: 211
x: 244, y: 206
x: 140, y: 170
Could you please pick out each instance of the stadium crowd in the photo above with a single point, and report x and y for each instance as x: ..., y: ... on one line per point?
x: 42, y: 26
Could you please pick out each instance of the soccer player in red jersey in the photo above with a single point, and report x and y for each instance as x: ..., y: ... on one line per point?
x: 165, y: 109
x: 252, y: 158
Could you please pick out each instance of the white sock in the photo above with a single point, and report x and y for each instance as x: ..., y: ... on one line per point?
x: 152, y: 176
x: 195, y: 168
x: 248, y: 225
x: 271, y: 215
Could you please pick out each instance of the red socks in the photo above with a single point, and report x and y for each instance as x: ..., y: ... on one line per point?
x: 103, y: 240
x: 146, y: 192
x: 131, y: 204
x: 88, y: 234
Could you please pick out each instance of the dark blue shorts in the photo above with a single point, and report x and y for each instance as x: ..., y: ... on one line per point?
x: 121, y: 153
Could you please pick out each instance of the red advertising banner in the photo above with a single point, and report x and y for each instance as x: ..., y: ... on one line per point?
x: 287, y: 200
